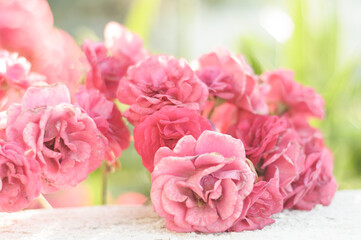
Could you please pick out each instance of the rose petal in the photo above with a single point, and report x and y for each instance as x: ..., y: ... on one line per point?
x: 201, y: 216
x: 225, y: 206
x: 226, y: 145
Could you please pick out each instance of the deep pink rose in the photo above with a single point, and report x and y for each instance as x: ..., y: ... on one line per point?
x: 110, y: 60
x: 62, y: 138
x: 158, y: 81
x: 105, y: 71
x: 259, y: 134
x: 229, y: 77
x: 15, y: 78
x: 19, y: 178
x: 164, y: 128
x: 264, y: 200
x: 270, y: 143
x: 108, y: 120
x: 316, y: 184
x: 287, y: 95
x: 26, y: 27
x: 201, y: 184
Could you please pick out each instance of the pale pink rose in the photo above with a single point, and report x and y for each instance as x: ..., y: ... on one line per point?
x: 270, y: 143
x: 23, y: 24
x: 158, y: 81
x: 229, y: 77
x: 15, y: 71
x: 264, y: 200
x: 201, y: 184
x: 110, y: 60
x: 108, y: 120
x: 26, y: 27
x: 316, y: 184
x: 123, y: 44
x: 287, y: 95
x: 15, y: 78
x: 19, y: 177
x: 62, y: 138
x: 164, y: 128
x: 58, y: 65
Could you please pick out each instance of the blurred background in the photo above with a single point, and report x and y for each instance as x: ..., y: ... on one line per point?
x: 319, y: 39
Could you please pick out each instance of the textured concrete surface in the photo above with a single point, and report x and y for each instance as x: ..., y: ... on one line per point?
x: 341, y: 220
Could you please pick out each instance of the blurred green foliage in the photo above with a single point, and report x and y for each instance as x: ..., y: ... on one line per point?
x: 140, y: 15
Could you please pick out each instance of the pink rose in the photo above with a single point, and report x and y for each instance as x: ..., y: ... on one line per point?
x: 316, y: 184
x: 108, y: 120
x: 58, y: 65
x: 23, y: 24
x: 201, y: 184
x: 286, y: 95
x: 63, y: 139
x: 158, y: 81
x: 105, y: 72
x: 229, y: 77
x: 124, y: 45
x: 19, y: 178
x: 109, y: 61
x: 15, y: 71
x: 269, y: 144
x: 15, y: 78
x: 164, y: 128
x: 26, y: 27
x: 259, y: 134
x: 264, y: 200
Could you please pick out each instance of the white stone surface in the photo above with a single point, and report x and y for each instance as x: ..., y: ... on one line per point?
x: 341, y: 220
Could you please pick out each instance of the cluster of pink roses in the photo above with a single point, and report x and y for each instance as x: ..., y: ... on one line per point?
x: 226, y: 148
x: 54, y: 130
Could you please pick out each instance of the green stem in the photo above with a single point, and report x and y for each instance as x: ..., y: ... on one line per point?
x: 104, y: 183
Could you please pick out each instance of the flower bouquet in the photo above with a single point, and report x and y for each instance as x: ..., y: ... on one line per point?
x: 226, y: 148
